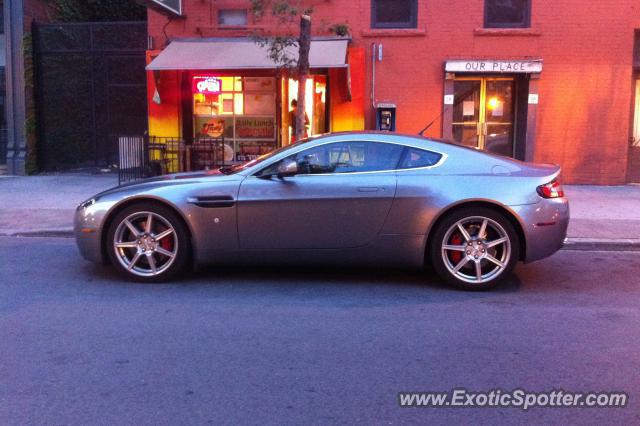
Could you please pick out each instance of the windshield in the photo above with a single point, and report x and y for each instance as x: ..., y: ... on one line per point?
x: 243, y: 166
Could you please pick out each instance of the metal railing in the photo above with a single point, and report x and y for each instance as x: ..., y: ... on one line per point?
x: 142, y: 156
x: 209, y: 153
x: 132, y: 158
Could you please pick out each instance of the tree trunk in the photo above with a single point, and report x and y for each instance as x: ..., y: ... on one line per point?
x: 304, y: 45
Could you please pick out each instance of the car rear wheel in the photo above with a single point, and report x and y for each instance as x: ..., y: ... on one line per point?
x: 475, y: 248
x: 148, y: 243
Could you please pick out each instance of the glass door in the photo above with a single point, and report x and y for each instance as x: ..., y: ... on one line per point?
x: 483, y: 113
x: 635, y: 138
x: 466, y: 112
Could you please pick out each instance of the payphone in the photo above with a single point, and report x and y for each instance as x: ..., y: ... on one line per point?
x: 386, y: 117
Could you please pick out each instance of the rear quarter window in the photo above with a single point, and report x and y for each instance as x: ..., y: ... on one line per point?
x: 414, y: 158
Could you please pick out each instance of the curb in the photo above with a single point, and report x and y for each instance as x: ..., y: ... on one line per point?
x: 601, y: 244
x: 51, y: 233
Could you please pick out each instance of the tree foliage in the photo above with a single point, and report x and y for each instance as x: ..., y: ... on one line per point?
x: 281, y: 44
x: 97, y: 10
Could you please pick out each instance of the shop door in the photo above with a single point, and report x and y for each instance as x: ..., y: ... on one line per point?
x: 635, y: 138
x: 483, y: 114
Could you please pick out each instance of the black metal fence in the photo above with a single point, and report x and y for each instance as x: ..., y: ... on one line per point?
x: 3, y: 120
x: 90, y: 83
x: 143, y: 156
x: 208, y: 153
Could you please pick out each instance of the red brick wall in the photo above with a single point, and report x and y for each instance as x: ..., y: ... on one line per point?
x: 585, y: 87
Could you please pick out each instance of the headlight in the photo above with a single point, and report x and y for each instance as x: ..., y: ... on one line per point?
x: 85, y: 204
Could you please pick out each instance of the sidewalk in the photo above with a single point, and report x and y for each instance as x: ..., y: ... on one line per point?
x: 46, y: 203
x: 601, y: 216
x: 604, y: 216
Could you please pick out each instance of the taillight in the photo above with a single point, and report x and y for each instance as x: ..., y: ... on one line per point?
x: 552, y: 189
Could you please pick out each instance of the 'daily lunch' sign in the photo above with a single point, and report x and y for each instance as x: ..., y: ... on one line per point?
x: 499, y: 66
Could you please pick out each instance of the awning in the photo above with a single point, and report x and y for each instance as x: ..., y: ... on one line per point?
x: 234, y: 54
x: 168, y: 7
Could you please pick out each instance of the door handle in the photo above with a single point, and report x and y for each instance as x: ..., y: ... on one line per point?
x: 368, y: 189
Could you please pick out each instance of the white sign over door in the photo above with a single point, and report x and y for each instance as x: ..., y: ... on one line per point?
x: 499, y: 66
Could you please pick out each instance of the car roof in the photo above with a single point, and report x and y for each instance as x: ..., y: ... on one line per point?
x: 376, y: 136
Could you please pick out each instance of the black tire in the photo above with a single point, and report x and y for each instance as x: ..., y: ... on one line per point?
x: 180, y: 242
x: 442, y: 260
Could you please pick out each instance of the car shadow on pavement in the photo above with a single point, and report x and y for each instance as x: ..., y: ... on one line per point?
x: 361, y: 287
x: 334, y: 276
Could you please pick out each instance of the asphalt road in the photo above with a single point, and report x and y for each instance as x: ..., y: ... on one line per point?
x: 80, y: 346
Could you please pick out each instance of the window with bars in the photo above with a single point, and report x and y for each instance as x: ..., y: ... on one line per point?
x: 394, y: 13
x: 507, y: 13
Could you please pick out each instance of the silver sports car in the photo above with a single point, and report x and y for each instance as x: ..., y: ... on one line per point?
x: 350, y: 198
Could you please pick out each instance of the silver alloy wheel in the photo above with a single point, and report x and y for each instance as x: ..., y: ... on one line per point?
x: 146, y: 244
x: 476, y: 249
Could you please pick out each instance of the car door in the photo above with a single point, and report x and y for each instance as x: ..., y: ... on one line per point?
x: 340, y: 198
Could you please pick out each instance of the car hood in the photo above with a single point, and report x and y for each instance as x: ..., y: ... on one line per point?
x: 166, y: 180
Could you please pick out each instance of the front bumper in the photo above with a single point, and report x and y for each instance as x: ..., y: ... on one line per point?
x: 545, y: 227
x: 87, y: 227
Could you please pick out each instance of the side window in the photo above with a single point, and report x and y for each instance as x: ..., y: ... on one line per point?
x: 344, y: 157
x: 349, y: 157
x: 323, y: 159
x: 415, y: 158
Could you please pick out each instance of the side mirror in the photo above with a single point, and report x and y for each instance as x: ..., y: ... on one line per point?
x: 287, y: 168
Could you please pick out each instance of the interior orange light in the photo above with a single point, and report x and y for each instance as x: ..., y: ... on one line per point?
x: 493, y: 103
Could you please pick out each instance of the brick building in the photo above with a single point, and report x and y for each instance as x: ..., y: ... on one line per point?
x: 534, y: 79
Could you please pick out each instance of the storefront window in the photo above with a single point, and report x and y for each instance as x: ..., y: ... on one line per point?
x: 239, y: 110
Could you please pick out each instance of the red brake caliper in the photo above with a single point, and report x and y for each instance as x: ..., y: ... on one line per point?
x: 167, y: 243
x: 456, y: 240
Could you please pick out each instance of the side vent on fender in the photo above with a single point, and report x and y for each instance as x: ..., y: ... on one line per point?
x: 212, y: 201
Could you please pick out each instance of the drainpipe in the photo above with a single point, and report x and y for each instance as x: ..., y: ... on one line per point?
x: 373, y: 76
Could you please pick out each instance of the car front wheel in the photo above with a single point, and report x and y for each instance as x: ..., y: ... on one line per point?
x: 475, y: 248
x: 148, y: 243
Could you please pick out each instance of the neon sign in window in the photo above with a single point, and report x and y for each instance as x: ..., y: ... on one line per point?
x: 207, y: 85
